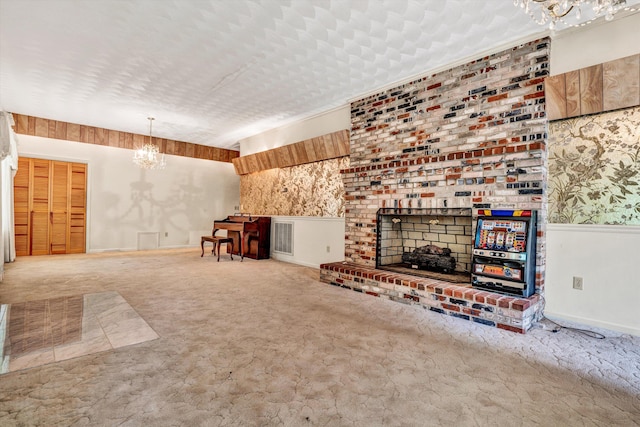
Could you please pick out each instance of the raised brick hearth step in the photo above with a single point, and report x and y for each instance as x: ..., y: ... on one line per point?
x: 492, y: 309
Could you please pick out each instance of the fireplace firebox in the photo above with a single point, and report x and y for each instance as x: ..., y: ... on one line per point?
x: 434, y: 243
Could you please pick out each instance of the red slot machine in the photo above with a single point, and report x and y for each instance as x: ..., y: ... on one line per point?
x: 504, y: 251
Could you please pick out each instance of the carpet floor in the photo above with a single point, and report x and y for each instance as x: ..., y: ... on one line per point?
x: 264, y: 343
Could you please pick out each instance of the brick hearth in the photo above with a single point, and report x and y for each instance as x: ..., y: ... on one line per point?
x: 461, y: 301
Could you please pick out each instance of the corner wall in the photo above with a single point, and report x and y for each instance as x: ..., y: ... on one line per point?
x: 319, y: 227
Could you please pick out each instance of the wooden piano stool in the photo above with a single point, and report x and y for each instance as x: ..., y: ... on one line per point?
x: 217, y: 243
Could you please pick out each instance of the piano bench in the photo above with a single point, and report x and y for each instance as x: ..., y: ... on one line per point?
x: 217, y: 242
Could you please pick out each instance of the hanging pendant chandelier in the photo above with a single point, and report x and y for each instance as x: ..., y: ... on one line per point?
x: 553, y: 11
x: 148, y: 157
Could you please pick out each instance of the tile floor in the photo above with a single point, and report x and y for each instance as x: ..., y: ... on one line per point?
x: 38, y: 332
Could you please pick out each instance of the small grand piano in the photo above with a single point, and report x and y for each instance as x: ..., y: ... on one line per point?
x: 253, y: 231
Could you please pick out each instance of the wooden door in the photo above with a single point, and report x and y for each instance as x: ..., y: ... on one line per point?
x: 50, y: 207
x: 77, y: 208
x: 21, y: 207
x: 40, y: 213
x: 60, y: 172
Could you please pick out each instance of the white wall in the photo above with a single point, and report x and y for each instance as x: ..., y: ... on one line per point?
x: 331, y: 121
x: 179, y: 202
x: 605, y: 256
x: 315, y: 240
x: 594, y: 44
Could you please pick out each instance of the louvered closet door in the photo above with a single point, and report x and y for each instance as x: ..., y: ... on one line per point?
x: 50, y: 201
x: 40, y: 214
x: 60, y: 177
x: 21, y: 210
x: 77, y: 208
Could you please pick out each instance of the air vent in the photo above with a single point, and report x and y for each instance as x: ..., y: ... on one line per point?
x: 283, y: 238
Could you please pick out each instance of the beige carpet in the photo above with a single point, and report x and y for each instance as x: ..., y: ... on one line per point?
x: 264, y: 343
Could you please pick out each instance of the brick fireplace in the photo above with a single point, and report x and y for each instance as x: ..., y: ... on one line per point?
x: 471, y: 137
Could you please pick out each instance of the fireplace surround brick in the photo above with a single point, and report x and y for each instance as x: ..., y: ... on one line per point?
x: 473, y: 136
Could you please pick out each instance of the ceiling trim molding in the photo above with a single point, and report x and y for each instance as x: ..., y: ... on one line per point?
x: 48, y: 128
x: 325, y: 147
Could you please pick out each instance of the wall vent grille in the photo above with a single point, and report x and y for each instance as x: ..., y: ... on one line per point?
x: 283, y: 238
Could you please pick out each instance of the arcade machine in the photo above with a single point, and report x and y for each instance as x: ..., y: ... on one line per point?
x: 504, y: 252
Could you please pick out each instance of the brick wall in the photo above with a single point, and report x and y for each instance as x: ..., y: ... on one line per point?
x: 471, y: 137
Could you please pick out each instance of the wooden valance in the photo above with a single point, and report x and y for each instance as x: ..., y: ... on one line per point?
x: 596, y: 89
x: 47, y: 128
x: 325, y: 147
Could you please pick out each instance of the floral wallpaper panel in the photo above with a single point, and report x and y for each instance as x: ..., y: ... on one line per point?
x: 313, y: 189
x: 594, y: 169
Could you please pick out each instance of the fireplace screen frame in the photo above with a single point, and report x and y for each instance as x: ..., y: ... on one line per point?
x: 383, y: 213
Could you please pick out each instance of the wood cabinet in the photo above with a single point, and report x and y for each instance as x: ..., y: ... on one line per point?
x: 50, y: 207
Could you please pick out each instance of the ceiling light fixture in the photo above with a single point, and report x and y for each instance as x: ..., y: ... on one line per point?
x: 148, y: 157
x: 552, y: 11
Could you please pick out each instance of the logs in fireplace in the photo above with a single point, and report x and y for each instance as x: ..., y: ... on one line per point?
x: 428, y: 242
x: 431, y: 257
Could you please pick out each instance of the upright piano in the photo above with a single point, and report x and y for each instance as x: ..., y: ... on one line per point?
x: 251, y: 234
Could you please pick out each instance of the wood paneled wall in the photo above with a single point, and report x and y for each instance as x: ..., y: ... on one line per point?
x: 329, y: 146
x: 596, y: 89
x: 36, y: 126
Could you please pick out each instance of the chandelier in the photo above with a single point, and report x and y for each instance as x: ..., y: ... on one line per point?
x: 552, y: 11
x: 148, y: 157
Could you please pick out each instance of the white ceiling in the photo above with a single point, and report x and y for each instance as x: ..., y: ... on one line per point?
x: 215, y: 71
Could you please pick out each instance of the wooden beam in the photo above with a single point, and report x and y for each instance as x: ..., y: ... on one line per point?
x: 47, y: 128
x: 596, y: 89
x: 325, y: 147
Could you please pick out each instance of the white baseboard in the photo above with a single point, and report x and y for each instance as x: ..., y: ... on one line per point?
x: 292, y: 260
x: 595, y: 323
x: 97, y: 251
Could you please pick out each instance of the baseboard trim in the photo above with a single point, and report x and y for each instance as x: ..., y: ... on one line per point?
x: 591, y: 322
x: 97, y: 251
x: 292, y: 260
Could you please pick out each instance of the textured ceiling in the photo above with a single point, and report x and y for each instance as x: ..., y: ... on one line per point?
x: 213, y: 72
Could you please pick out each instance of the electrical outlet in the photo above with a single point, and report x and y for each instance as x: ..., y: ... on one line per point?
x: 577, y: 283
x: 328, y: 249
x: 166, y: 234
